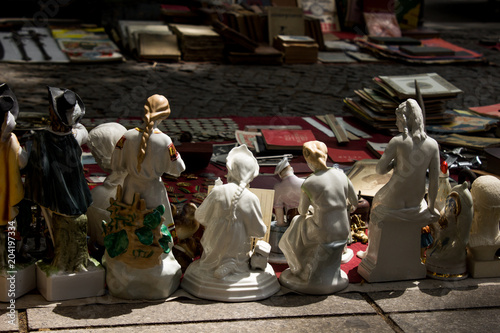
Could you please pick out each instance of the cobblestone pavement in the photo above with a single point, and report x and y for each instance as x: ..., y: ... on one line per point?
x: 215, y: 90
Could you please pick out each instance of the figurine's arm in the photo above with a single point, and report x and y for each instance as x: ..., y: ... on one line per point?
x: 352, y: 197
x: 433, y: 176
x: 304, y: 203
x: 387, y: 161
x: 80, y: 133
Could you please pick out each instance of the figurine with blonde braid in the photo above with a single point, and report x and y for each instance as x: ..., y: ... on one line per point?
x: 231, y: 215
x: 138, y: 256
x: 315, y: 240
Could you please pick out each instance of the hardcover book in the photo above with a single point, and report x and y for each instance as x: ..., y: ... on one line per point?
x: 286, y: 139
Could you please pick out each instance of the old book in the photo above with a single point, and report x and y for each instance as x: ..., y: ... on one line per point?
x: 285, y: 21
x: 158, y: 47
x: 297, y: 49
x: 286, y: 139
x: 394, y: 40
x: 431, y: 85
x: 426, y: 50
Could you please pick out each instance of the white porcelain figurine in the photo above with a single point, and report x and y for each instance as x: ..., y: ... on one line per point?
x: 314, y: 242
x: 101, y: 141
x: 484, y: 240
x: 231, y: 215
x: 399, y: 210
x: 286, y: 202
x: 138, y: 258
x: 446, y: 257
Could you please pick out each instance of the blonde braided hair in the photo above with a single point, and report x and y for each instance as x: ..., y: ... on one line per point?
x: 156, y: 108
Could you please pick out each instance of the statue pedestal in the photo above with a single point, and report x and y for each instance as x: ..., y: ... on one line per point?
x: 482, y: 261
x: 393, y: 252
x: 239, y: 287
x: 23, y: 282
x: 128, y: 282
x: 325, y: 276
x: 63, y: 286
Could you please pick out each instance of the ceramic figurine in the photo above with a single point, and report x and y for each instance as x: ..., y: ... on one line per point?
x: 399, y: 210
x: 446, y: 257
x: 138, y: 256
x: 55, y: 181
x: 286, y: 193
x: 101, y: 141
x: 315, y: 241
x: 484, y: 240
x: 444, y: 187
x: 13, y: 157
x: 286, y: 200
x: 189, y: 232
x: 231, y: 215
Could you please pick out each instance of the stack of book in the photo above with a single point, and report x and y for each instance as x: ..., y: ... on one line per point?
x: 297, y: 49
x: 377, y: 106
x: 199, y: 42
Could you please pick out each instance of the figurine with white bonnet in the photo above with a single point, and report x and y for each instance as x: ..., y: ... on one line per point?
x: 484, y: 240
x: 13, y: 158
x: 399, y: 209
x: 314, y: 242
x: 101, y: 141
x: 286, y: 202
x: 55, y: 181
x: 138, y: 256
x: 446, y: 257
x: 231, y: 215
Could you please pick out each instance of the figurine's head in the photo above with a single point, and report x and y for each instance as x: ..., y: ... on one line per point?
x: 315, y: 153
x: 156, y: 109
x: 102, y: 140
x: 410, y: 119
x: 241, y: 165
x: 282, y: 167
x: 66, y: 108
x: 9, y: 109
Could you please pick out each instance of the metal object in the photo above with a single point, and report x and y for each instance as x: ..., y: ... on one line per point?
x: 17, y: 38
x: 36, y: 38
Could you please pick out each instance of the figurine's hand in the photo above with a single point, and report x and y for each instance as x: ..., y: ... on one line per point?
x: 434, y: 212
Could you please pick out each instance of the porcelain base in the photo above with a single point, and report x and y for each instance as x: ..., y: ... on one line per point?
x: 483, y: 268
x: 393, y: 254
x: 287, y: 279
x: 64, y: 286
x: 151, y: 283
x: 249, y: 286
x: 25, y: 281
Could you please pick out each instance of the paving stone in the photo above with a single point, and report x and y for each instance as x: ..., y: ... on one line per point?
x: 342, y: 324
x: 6, y: 323
x: 485, y: 320
x: 438, y: 299
x: 178, y: 311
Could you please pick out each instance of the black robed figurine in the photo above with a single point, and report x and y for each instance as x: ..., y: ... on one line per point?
x: 55, y: 179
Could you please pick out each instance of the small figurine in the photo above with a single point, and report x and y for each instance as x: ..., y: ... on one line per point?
x: 101, y: 141
x: 231, y: 215
x: 399, y: 210
x: 286, y: 200
x: 286, y: 193
x: 11, y: 194
x: 138, y: 255
x: 189, y: 232
x: 55, y: 181
x: 446, y: 257
x: 316, y: 239
x: 484, y: 239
